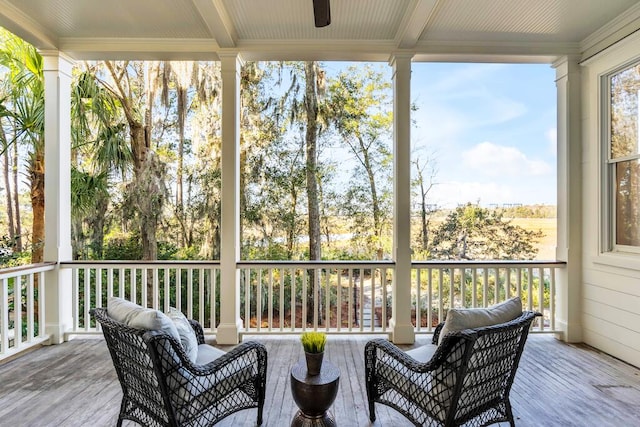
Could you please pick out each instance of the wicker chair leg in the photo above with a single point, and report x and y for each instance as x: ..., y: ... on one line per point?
x: 370, y: 361
x: 261, y: 382
x: 507, y: 407
x: 259, y: 420
x: 372, y: 411
x: 123, y: 406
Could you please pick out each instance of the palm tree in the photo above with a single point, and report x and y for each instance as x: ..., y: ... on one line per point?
x: 24, y: 107
x: 6, y: 166
x: 99, y: 151
x: 94, y: 111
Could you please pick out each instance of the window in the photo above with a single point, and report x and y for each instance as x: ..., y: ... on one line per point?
x: 623, y: 158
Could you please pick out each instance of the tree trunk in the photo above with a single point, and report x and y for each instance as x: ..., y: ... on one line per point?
x: 311, y: 105
x: 147, y: 192
x: 375, y: 203
x: 182, y: 101
x: 7, y: 186
x: 77, y: 239
x: 148, y: 172
x: 96, y: 224
x: 16, y: 201
x: 423, y: 216
x: 146, y: 189
x: 291, y: 224
x: 425, y: 230
x: 37, y: 204
x: 425, y: 188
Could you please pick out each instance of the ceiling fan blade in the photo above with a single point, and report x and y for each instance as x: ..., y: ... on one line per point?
x: 321, y: 13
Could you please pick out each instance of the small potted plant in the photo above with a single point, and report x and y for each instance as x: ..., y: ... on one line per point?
x: 313, y: 345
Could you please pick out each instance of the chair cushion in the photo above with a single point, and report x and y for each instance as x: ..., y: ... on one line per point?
x: 187, y: 335
x: 422, y: 354
x: 459, y: 319
x: 207, y: 353
x: 138, y: 317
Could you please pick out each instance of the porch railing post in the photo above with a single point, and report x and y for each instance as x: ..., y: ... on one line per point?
x: 230, y: 322
x: 569, y: 249
x: 402, y: 331
x: 57, y: 176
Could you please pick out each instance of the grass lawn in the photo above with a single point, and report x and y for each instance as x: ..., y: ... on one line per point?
x: 547, y: 245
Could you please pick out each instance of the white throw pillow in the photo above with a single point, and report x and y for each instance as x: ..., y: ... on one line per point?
x: 459, y: 319
x: 187, y: 335
x: 138, y: 317
x: 122, y: 310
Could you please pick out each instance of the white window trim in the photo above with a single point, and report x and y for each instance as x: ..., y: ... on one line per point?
x: 608, y: 245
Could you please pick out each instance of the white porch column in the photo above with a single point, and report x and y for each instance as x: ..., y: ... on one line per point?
x: 57, y: 177
x: 402, y: 331
x: 230, y: 322
x: 569, y: 249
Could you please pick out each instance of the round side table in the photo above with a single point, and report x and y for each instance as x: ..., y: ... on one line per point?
x: 314, y: 394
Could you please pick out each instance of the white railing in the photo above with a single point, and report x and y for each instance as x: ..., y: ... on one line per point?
x: 337, y: 297
x: 22, y: 308
x: 191, y: 286
x: 280, y: 297
x: 438, y: 286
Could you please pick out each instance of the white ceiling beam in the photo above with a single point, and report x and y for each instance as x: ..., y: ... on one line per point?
x: 22, y: 25
x: 217, y: 20
x: 507, y: 52
x: 140, y: 49
x: 277, y: 50
x: 414, y: 22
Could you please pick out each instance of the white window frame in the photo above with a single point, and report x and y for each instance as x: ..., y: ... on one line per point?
x: 608, y: 165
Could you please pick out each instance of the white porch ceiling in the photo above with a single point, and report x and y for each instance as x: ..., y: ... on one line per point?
x: 360, y: 29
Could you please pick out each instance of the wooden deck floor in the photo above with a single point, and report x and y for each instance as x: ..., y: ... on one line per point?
x: 74, y: 384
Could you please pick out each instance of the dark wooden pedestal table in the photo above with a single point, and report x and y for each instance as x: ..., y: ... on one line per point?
x: 314, y: 394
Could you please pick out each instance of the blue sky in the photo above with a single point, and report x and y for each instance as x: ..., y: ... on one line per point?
x: 491, y: 129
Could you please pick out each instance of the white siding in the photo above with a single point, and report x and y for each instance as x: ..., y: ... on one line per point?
x: 611, y: 282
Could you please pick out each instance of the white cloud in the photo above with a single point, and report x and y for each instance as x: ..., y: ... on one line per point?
x: 495, y: 160
x: 467, y: 93
x: 440, y: 119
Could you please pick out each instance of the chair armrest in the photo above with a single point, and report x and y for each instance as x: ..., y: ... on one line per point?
x: 197, y: 328
x: 439, y: 357
x: 436, y: 333
x: 251, y: 350
x: 159, y: 340
x: 389, y: 349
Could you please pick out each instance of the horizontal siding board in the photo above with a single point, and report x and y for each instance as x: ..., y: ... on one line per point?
x: 608, y: 316
x: 628, y: 284
x: 621, y: 301
x: 612, y: 347
x: 618, y: 334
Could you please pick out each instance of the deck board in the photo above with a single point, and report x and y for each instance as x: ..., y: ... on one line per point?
x: 74, y: 384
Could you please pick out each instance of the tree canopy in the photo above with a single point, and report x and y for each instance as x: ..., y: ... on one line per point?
x: 472, y: 232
